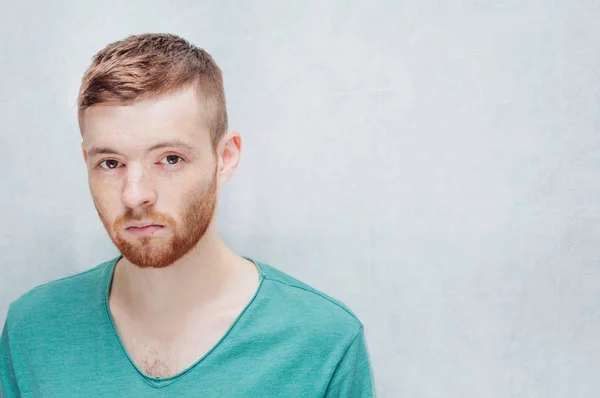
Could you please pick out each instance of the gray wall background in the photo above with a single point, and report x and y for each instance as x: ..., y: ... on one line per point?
x: 432, y: 164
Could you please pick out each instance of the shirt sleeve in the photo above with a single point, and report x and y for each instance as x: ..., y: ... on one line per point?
x: 353, y: 377
x: 8, y: 382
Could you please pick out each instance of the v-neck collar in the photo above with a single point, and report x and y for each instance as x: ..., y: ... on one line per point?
x: 160, y: 382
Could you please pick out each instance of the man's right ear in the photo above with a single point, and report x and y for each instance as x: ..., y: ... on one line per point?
x: 84, y: 152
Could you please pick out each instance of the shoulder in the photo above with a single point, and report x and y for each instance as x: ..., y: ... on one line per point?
x: 310, y: 306
x: 58, y: 298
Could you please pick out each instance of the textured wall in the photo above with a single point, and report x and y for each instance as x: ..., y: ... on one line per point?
x: 433, y: 164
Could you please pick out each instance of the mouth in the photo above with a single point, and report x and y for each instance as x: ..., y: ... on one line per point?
x: 144, y: 229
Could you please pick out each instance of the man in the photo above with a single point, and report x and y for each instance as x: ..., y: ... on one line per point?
x: 176, y: 313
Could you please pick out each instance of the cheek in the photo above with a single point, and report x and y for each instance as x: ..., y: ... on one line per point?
x: 105, y: 198
x: 180, y: 203
x: 171, y: 204
x: 96, y: 188
x: 103, y: 188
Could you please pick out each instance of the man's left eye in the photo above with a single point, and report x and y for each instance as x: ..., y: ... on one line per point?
x: 173, y: 159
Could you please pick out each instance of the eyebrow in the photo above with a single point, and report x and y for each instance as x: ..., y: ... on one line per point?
x: 108, y: 150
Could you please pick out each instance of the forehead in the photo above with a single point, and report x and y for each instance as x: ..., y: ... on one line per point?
x: 179, y: 116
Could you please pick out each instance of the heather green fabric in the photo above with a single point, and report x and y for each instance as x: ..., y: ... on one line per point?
x: 59, y: 340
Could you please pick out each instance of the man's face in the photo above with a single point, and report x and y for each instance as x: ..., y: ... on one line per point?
x: 134, y: 179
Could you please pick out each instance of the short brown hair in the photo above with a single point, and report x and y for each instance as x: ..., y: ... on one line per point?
x: 148, y: 66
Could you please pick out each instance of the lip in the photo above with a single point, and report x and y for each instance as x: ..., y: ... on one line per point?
x: 149, y: 229
x: 142, y: 224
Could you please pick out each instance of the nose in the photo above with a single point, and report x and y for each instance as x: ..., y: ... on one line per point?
x: 139, y: 190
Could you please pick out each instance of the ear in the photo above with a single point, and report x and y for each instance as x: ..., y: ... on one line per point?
x: 84, y: 152
x: 228, y: 155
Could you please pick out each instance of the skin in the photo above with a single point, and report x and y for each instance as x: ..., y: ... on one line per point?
x: 176, y: 292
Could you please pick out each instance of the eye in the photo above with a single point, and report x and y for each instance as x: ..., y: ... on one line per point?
x: 110, y: 163
x: 173, y: 159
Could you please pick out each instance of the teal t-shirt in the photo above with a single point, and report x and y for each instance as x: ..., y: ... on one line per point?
x: 59, y: 340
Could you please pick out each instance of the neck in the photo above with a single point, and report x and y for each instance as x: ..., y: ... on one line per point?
x: 205, y: 277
